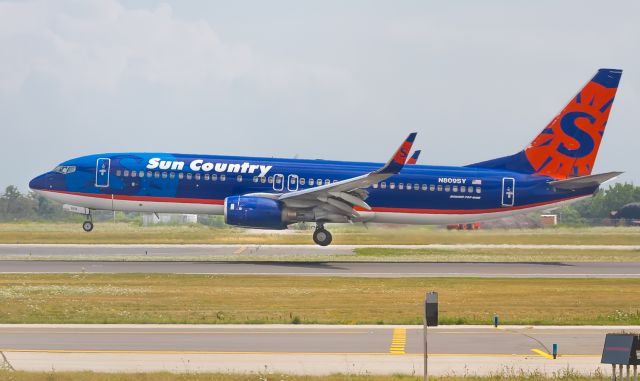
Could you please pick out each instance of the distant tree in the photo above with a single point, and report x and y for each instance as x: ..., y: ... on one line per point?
x: 568, y: 215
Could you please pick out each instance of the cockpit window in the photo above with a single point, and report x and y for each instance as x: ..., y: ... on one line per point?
x: 65, y: 169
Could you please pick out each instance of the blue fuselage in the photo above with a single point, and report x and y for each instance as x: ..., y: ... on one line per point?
x: 161, y: 182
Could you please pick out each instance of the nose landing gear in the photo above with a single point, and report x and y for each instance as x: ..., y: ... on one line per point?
x: 321, y: 236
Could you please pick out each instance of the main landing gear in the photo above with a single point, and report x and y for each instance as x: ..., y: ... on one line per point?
x: 88, y: 224
x: 321, y: 236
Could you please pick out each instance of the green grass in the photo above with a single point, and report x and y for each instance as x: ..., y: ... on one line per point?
x: 195, y: 299
x: 495, y: 255
x: 165, y: 376
x: 108, y: 232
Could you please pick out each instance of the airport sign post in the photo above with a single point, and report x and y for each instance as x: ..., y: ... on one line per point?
x: 430, y: 318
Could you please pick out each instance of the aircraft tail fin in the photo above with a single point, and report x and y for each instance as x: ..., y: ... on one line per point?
x: 414, y: 158
x: 568, y: 145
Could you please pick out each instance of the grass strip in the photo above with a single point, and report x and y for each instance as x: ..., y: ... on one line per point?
x: 495, y: 255
x: 212, y: 299
x: 128, y: 233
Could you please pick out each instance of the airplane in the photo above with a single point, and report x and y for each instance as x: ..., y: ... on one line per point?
x: 267, y: 193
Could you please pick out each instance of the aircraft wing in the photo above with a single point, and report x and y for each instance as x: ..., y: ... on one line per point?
x: 340, y: 197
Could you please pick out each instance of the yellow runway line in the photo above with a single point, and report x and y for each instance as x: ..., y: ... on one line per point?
x: 542, y: 353
x: 398, y: 341
x: 161, y: 352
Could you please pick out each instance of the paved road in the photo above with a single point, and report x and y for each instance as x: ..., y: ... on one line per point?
x: 300, y: 349
x: 364, y: 269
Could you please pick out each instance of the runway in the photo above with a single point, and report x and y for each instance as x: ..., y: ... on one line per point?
x: 352, y: 269
x: 84, y: 251
x: 299, y: 349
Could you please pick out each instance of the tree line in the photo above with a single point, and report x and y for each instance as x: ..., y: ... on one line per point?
x: 16, y: 206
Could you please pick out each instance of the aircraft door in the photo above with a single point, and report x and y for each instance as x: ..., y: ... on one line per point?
x: 102, y: 172
x: 292, y: 183
x: 508, y: 191
x: 278, y: 182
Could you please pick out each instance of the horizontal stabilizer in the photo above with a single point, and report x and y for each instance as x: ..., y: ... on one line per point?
x: 584, y: 181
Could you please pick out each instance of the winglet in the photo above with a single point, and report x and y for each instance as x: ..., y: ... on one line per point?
x: 395, y: 164
x: 414, y: 158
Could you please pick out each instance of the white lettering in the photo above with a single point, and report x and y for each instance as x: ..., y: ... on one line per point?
x: 449, y: 180
x: 221, y: 167
x: 195, y: 165
x: 245, y: 167
x: 253, y: 167
x: 207, y: 167
x: 177, y: 165
x: 264, y: 169
x: 153, y: 163
x: 234, y: 168
x: 164, y: 164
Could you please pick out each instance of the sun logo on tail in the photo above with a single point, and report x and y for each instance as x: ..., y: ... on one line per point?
x: 568, y: 146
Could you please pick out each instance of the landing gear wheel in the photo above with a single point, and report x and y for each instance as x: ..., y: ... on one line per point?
x: 322, y: 237
x: 87, y: 226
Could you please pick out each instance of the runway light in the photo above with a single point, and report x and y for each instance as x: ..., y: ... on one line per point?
x: 555, y: 351
x: 496, y: 320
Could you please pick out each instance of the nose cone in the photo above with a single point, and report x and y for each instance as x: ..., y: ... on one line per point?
x: 37, y: 183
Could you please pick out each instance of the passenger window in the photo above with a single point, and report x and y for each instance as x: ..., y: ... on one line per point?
x: 197, y: 176
x: 126, y: 173
x: 134, y: 173
x: 439, y: 188
x: 400, y: 185
x: 164, y: 175
x: 319, y: 182
x: 263, y: 180
x: 463, y: 189
x: 311, y: 182
x: 470, y: 189
x: 270, y: 180
x: 327, y: 181
x: 302, y: 181
x: 172, y: 175
x: 447, y: 188
x: 156, y: 175
x: 478, y: 190
x: 455, y: 188
x: 255, y: 179
x: 149, y: 174
x: 214, y: 177
x: 375, y: 186
x: 118, y: 173
x: 432, y: 187
x: 409, y: 186
x: 392, y: 185
x: 424, y: 187
x: 206, y: 177
x: 334, y: 181
x: 223, y: 177
x: 383, y: 185
x: 239, y: 178
x: 180, y: 175
x: 292, y: 180
x: 141, y: 174
x: 189, y: 176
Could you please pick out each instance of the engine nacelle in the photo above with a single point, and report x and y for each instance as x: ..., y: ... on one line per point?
x: 254, y: 212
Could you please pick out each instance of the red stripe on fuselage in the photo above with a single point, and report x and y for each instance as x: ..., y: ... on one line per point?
x: 374, y: 209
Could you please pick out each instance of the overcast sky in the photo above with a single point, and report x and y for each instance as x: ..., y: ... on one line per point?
x: 323, y: 79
